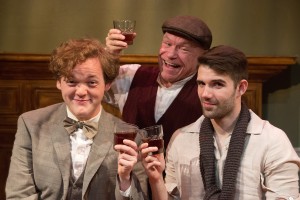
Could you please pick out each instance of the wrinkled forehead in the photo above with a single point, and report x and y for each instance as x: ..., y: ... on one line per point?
x: 176, y: 38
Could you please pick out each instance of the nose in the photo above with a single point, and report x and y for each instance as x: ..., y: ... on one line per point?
x: 204, y: 92
x: 81, y: 89
x: 172, y: 52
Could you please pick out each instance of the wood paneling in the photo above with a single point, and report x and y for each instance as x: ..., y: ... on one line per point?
x: 26, y: 84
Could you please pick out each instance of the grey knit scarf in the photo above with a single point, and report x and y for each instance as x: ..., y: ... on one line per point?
x: 232, y: 163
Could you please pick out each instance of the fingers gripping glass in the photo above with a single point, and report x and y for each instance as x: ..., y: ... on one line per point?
x: 124, y: 131
x: 153, y: 135
x: 127, y: 27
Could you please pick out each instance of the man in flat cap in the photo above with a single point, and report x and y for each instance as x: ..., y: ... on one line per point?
x: 166, y: 94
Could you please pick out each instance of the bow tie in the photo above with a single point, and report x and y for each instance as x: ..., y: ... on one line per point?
x: 89, y: 128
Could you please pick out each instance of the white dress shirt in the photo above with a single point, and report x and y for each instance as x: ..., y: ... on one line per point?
x: 80, y: 149
x: 80, y: 146
x: 164, y: 98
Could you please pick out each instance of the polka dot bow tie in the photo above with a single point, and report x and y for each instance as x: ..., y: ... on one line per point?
x: 89, y: 128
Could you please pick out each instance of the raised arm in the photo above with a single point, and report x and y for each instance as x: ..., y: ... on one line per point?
x: 114, y: 41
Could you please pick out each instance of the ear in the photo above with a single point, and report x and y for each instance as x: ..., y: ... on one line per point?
x: 107, y: 86
x: 58, y: 84
x: 242, y: 87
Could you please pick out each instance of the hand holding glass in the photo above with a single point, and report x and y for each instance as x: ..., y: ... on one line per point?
x: 127, y: 27
x: 153, y: 135
x: 124, y: 131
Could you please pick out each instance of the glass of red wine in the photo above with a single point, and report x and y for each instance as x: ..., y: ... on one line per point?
x: 153, y: 135
x: 124, y: 131
x: 127, y: 27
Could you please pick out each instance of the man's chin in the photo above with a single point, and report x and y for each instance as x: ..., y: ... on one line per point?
x: 209, y: 114
x: 83, y: 117
x: 81, y: 114
x: 168, y: 78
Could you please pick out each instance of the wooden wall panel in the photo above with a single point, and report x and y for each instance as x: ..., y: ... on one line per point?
x: 9, y: 97
x: 253, y: 97
x: 41, y: 93
x: 26, y: 84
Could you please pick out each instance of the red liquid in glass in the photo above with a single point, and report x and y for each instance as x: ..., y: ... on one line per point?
x: 119, y: 137
x: 128, y: 38
x: 159, y: 143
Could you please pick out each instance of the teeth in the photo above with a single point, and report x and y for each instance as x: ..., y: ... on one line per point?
x: 171, y: 64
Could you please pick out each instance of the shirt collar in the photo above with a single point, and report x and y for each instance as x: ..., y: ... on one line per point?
x: 255, y: 126
x: 176, y: 84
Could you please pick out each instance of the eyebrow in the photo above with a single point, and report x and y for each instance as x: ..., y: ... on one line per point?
x: 219, y: 80
x: 91, y: 76
x: 186, y: 43
x: 214, y: 80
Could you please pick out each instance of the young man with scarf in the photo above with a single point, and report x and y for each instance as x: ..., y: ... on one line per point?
x: 229, y: 152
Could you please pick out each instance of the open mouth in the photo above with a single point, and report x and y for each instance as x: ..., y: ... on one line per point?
x: 168, y: 64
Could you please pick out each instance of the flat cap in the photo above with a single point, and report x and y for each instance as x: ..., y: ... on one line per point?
x: 189, y: 27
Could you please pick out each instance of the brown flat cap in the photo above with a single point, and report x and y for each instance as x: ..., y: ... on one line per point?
x: 189, y: 27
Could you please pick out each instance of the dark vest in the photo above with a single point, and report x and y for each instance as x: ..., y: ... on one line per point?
x: 75, y: 187
x: 140, y: 103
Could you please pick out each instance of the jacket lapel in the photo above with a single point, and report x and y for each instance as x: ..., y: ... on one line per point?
x: 62, y: 146
x: 102, y: 144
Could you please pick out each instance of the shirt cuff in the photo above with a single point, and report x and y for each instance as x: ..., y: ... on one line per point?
x: 126, y: 193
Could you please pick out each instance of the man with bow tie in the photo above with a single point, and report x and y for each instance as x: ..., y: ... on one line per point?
x: 66, y: 150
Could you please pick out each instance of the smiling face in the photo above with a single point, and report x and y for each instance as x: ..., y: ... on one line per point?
x: 84, y: 89
x: 177, y: 58
x: 220, y: 97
